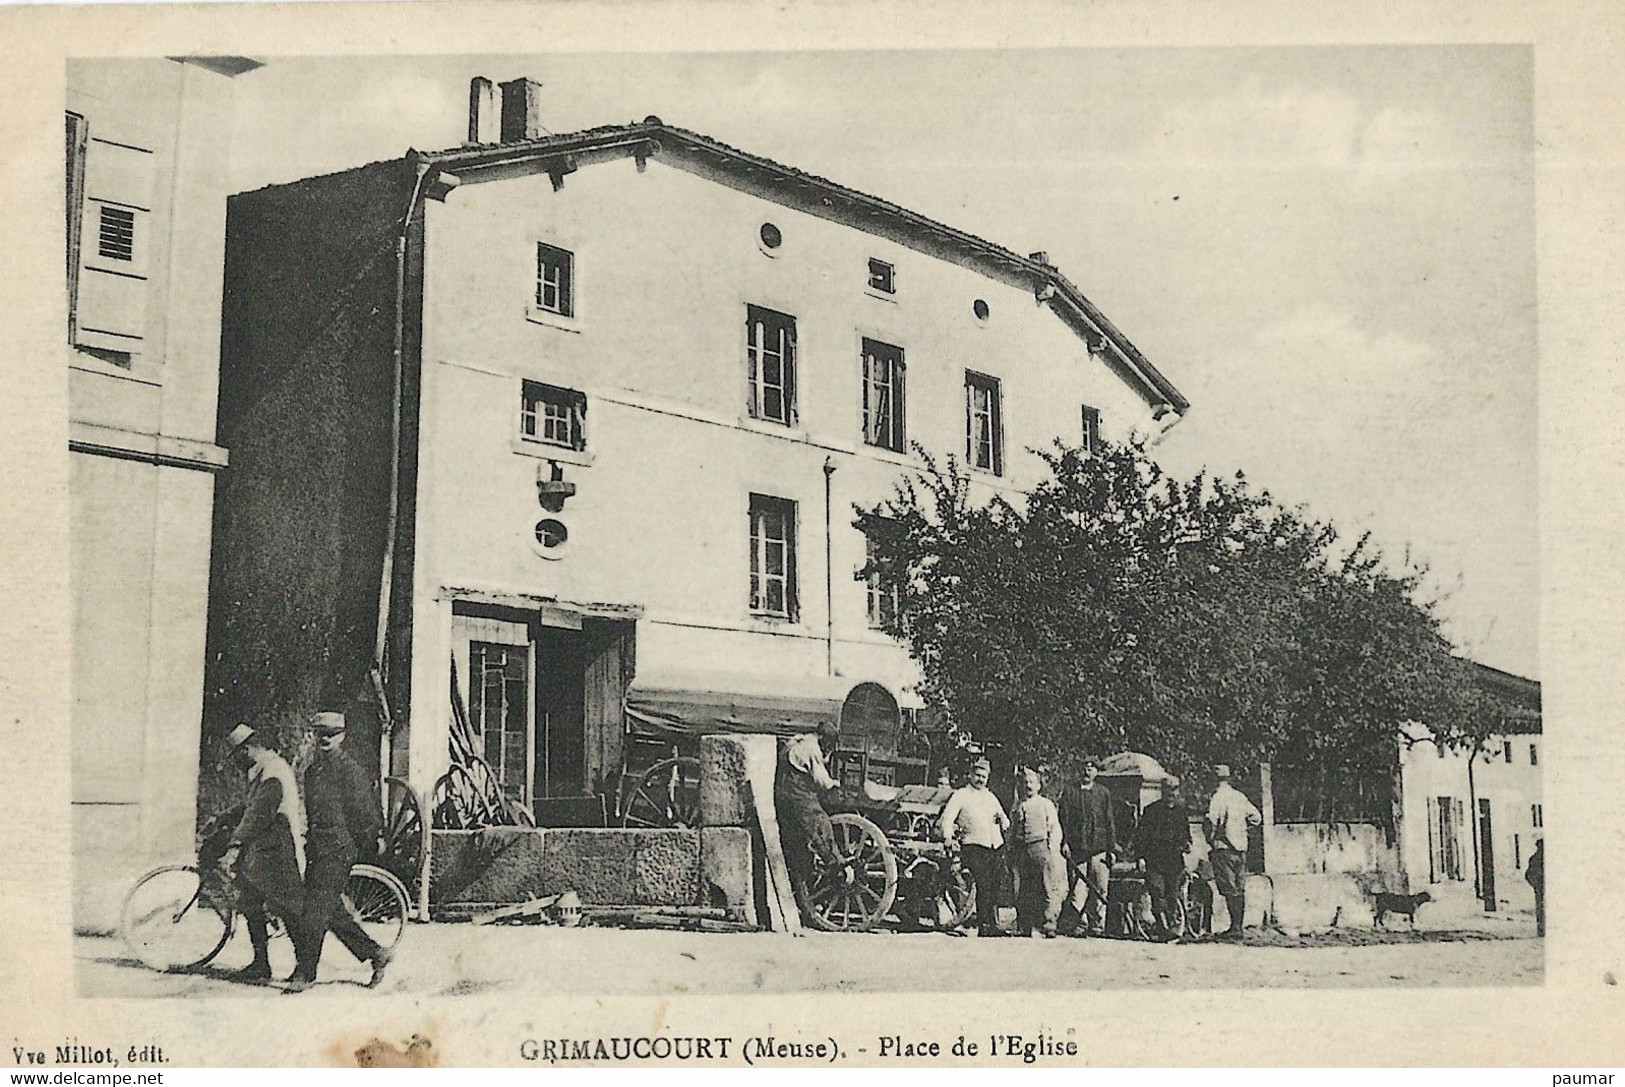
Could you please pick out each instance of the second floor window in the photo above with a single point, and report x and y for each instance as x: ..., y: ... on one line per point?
x: 551, y: 415
x: 984, y: 426
x: 555, y: 280
x: 772, y: 556
x: 882, y: 276
x: 770, y: 348
x: 883, y: 414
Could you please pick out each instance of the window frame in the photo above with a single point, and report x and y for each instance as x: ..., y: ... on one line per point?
x: 478, y: 711
x: 761, y: 509
x: 573, y: 404
x: 1534, y: 755
x: 761, y: 323
x: 1091, y: 429
x: 894, y: 421
x: 877, y: 591
x: 994, y: 388
x: 565, y: 286
x: 886, y: 272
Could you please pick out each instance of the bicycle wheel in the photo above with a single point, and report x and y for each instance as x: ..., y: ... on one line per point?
x: 172, y: 921
x: 376, y: 901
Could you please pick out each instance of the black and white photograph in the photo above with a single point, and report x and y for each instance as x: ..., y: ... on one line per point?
x: 938, y: 524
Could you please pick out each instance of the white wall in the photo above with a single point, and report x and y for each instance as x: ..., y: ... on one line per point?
x: 665, y: 265
x: 139, y: 557
x: 1512, y: 790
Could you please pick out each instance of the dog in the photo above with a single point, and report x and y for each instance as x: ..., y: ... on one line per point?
x: 1199, y: 907
x: 1385, y: 903
x: 1128, y: 908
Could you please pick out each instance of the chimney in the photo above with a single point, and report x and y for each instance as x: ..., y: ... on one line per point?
x: 1040, y: 257
x: 521, y: 110
x: 482, y: 111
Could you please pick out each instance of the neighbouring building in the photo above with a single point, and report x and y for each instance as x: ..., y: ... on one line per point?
x: 147, y: 144
x: 1472, y: 818
x: 552, y: 433
x: 1459, y: 825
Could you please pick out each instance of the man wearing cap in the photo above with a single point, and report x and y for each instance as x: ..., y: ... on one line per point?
x: 974, y: 819
x: 1164, y: 837
x: 1229, y: 815
x: 805, y: 830
x: 267, y: 849
x: 1089, y: 829
x: 344, y: 825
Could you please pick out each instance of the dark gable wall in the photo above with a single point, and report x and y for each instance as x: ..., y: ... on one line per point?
x: 307, y: 382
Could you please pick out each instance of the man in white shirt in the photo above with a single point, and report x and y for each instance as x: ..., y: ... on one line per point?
x: 975, y: 820
x: 1229, y: 815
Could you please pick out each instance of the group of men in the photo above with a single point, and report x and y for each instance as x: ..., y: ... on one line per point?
x: 1062, y: 855
x: 293, y: 859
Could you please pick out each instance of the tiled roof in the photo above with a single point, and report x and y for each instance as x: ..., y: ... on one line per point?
x: 652, y: 129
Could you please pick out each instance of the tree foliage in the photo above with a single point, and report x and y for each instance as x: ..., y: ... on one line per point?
x: 1196, y: 620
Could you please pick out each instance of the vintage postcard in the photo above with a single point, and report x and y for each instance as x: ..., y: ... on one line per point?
x: 608, y: 534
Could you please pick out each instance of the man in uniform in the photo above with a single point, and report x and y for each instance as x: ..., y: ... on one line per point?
x: 344, y: 821
x: 1229, y: 815
x: 1089, y: 829
x: 1164, y: 838
x: 267, y: 851
x: 805, y: 831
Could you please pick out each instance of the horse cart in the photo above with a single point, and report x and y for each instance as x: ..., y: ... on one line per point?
x: 892, y: 862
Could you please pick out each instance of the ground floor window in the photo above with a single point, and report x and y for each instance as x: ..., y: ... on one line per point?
x: 1446, y: 816
x: 500, y: 713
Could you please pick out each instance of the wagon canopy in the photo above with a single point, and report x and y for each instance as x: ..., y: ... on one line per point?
x: 697, y: 703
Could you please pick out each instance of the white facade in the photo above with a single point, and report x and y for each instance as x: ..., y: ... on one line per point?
x: 665, y: 264
x: 1448, y: 797
x: 148, y: 179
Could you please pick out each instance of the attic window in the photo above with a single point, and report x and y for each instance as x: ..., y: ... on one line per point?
x: 882, y: 276
x: 771, y: 238
x: 555, y: 274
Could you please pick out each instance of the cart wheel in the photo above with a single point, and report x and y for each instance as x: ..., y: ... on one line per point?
x: 462, y: 803
x: 376, y: 901
x: 855, y: 892
x: 404, y: 840
x: 954, y: 901
x: 173, y: 920
x: 668, y: 795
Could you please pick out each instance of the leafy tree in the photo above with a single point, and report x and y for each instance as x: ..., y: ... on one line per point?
x: 1197, y: 620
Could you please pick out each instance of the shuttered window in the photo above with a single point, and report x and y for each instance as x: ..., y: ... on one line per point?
x: 883, y: 396
x: 770, y: 351
x: 984, y: 424
x: 1091, y: 429
x: 110, y: 235
x: 773, y: 556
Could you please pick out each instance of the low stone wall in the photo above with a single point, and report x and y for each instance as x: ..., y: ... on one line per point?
x: 607, y: 867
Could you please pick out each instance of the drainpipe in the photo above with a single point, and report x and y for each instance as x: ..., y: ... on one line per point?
x: 386, y: 578
x: 1472, y: 821
x: 829, y: 573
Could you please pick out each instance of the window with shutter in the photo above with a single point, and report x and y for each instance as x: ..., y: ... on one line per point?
x: 883, y: 392
x: 109, y: 306
x: 770, y: 349
x: 1091, y: 429
x: 984, y: 425
x: 773, y: 557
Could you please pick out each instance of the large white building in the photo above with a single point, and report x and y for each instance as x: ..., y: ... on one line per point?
x: 147, y: 144
x: 593, y: 410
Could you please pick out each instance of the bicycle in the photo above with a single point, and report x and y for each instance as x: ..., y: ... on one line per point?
x: 178, y: 917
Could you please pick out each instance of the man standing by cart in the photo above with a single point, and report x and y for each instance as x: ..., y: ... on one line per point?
x: 1089, y: 828
x: 344, y: 822
x: 805, y: 830
x: 1164, y: 838
x: 1229, y: 815
x: 974, y: 818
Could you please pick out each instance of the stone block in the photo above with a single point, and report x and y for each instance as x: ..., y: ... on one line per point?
x: 598, y: 865
x: 1307, y: 901
x: 666, y: 868
x: 498, y: 864
x: 731, y: 768
x: 727, y: 874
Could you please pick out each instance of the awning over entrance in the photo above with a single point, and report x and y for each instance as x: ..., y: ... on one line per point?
x: 696, y: 703
x: 700, y: 703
